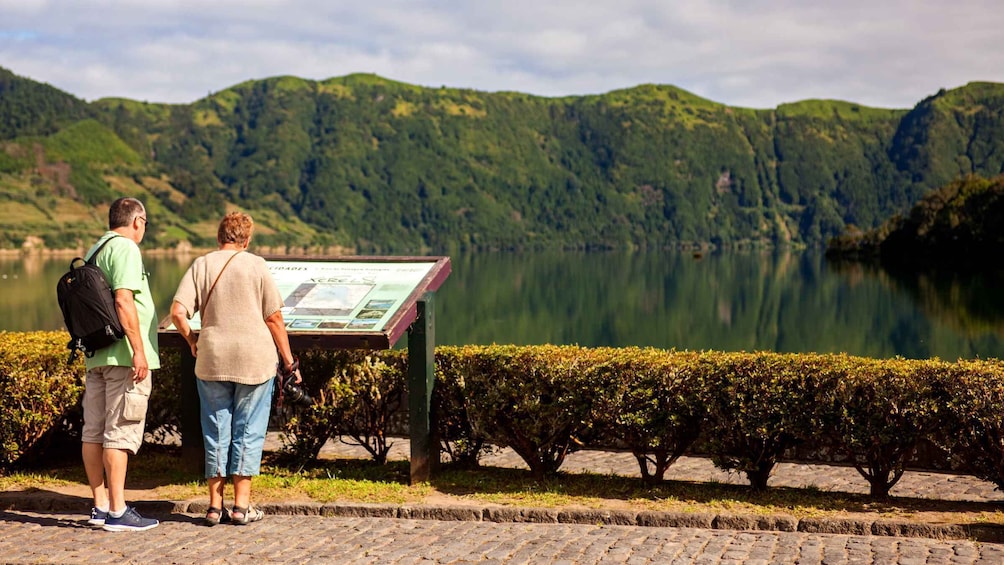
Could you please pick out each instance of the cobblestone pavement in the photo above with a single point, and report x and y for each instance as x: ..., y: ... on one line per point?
x: 48, y: 531
x: 33, y: 537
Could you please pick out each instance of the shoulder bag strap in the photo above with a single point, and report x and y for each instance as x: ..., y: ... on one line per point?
x: 210, y: 293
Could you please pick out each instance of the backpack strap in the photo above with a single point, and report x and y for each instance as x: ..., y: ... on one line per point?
x: 93, y: 257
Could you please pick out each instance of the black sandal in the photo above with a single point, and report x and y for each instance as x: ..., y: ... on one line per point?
x: 213, y: 516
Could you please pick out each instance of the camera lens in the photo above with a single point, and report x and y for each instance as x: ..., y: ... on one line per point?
x: 296, y: 394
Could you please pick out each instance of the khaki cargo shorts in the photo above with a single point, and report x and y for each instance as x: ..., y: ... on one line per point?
x: 115, y: 408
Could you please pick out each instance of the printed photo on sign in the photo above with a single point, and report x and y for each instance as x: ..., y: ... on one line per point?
x: 326, y: 299
x: 371, y: 314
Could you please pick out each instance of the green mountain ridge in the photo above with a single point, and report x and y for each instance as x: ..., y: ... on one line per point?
x: 367, y: 164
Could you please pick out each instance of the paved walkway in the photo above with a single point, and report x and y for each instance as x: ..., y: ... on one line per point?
x: 36, y: 537
x: 37, y: 530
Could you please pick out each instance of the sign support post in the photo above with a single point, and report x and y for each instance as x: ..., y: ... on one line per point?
x: 421, y: 379
x: 192, y: 450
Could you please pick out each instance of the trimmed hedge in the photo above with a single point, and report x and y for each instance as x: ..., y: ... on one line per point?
x: 746, y: 411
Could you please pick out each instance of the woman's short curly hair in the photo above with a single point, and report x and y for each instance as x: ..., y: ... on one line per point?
x: 235, y: 227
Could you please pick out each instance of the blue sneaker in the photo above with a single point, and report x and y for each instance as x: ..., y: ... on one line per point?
x: 131, y: 521
x: 97, y: 517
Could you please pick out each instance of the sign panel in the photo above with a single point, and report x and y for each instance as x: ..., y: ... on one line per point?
x: 347, y: 296
x: 350, y: 296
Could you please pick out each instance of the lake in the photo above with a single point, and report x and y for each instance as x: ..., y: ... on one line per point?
x: 730, y: 301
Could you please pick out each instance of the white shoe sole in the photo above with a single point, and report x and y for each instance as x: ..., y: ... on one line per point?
x: 115, y: 528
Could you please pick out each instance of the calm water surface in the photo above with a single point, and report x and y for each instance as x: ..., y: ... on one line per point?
x: 778, y: 301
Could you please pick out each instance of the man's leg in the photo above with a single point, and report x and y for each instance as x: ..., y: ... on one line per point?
x: 93, y: 455
x: 92, y: 436
x: 125, y: 417
x: 121, y: 518
x: 115, y: 463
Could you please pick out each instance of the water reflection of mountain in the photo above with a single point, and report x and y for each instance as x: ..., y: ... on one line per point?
x: 776, y: 301
x: 789, y: 302
x: 971, y: 302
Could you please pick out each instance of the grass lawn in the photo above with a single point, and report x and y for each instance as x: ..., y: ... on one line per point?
x: 158, y: 474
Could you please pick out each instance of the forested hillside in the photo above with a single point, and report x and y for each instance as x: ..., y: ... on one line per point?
x: 960, y: 225
x: 374, y: 165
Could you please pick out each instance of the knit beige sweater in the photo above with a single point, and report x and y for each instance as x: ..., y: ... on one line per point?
x: 234, y: 342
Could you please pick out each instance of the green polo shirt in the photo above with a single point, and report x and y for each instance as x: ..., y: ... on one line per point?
x: 122, y: 264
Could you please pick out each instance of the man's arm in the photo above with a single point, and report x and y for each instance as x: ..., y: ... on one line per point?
x: 125, y: 306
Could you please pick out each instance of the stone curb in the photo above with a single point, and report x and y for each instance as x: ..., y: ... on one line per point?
x: 989, y: 533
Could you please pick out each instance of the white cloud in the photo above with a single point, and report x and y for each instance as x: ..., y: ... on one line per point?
x: 756, y: 53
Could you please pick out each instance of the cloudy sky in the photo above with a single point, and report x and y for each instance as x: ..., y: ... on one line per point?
x: 753, y: 53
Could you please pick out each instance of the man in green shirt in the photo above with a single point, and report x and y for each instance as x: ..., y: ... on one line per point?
x: 119, y: 377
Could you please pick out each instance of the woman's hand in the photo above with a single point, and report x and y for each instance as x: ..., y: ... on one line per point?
x: 291, y: 369
x: 179, y: 315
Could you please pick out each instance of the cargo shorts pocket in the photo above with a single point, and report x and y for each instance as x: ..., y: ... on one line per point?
x: 134, y: 406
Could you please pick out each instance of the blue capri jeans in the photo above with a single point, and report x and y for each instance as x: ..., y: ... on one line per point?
x: 234, y: 422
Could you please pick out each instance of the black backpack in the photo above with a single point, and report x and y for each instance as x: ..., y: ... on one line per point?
x: 88, y: 306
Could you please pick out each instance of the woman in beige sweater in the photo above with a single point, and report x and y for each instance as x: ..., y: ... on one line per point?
x: 237, y: 353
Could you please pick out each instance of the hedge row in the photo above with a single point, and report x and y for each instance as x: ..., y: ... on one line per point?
x: 745, y: 410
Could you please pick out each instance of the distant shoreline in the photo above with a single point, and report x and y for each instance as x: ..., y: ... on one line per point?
x: 177, y: 251
x: 44, y: 252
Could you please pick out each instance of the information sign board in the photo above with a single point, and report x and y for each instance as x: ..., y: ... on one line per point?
x: 348, y: 302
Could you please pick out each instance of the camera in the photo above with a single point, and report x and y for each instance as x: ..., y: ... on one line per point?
x: 289, y: 388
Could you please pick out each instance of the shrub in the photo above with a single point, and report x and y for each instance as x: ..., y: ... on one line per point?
x: 974, y: 420
x: 376, y: 383
x: 546, y: 401
x: 40, y: 393
x: 535, y: 399
x: 305, y: 431
x: 751, y: 421
x: 451, y: 407
x: 876, y: 412
x: 658, y: 407
x: 358, y: 393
